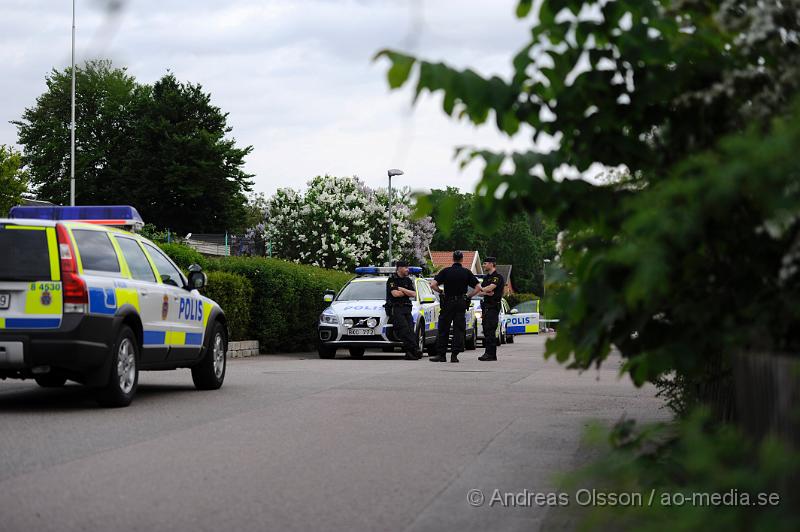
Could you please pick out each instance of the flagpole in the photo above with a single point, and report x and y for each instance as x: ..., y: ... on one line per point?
x: 72, y: 123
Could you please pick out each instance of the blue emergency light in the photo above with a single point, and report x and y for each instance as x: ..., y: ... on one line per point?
x: 115, y: 215
x: 375, y: 270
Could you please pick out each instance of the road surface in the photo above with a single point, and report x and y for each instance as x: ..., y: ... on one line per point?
x: 298, y: 443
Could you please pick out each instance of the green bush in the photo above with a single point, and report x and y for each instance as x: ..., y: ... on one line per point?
x: 287, y: 299
x: 675, y: 466
x: 183, y: 255
x: 234, y: 293
x: 520, y: 297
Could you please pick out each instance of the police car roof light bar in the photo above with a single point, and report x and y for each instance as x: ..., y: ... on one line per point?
x: 114, y: 215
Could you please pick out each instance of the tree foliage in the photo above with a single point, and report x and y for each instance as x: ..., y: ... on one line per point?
x: 13, y: 179
x: 162, y: 148
x: 669, y: 263
x: 523, y: 240
x: 339, y: 222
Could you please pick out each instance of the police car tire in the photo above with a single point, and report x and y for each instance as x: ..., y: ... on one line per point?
x: 204, y: 375
x: 326, y: 352
x: 421, y: 336
x: 50, y: 380
x: 113, y: 395
x: 356, y: 352
x: 509, y: 338
x: 471, y: 342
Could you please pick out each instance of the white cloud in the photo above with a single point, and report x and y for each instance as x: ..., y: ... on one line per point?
x: 296, y: 76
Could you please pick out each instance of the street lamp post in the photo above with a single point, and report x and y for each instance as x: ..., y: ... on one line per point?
x: 545, y: 262
x: 72, y: 121
x: 393, y: 172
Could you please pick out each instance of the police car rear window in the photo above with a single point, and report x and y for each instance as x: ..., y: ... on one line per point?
x: 96, y: 251
x: 25, y: 254
x: 364, y: 290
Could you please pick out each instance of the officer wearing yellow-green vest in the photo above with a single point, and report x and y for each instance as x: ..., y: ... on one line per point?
x: 492, y: 291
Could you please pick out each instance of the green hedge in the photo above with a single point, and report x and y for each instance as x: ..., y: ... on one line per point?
x: 184, y: 256
x: 287, y: 299
x: 517, y: 298
x: 234, y: 293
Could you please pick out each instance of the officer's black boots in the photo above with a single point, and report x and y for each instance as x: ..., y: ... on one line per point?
x: 438, y: 358
x: 411, y: 356
x: 454, y: 357
x: 485, y: 357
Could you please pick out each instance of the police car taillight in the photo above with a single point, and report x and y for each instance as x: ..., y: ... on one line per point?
x: 76, y: 298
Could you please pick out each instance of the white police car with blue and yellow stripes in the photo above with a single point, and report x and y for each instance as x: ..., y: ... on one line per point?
x: 96, y: 304
x: 356, y: 318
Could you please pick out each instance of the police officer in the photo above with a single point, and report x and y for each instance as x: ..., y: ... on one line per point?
x: 492, y: 291
x: 455, y: 279
x: 399, y: 291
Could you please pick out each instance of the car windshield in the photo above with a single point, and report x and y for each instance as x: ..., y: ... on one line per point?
x: 358, y: 290
x: 528, y: 306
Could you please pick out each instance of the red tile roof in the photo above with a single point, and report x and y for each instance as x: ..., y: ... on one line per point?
x: 442, y: 259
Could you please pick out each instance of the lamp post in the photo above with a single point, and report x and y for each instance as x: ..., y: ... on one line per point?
x: 393, y: 172
x: 545, y: 262
x: 72, y: 121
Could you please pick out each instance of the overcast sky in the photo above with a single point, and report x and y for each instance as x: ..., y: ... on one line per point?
x: 296, y: 76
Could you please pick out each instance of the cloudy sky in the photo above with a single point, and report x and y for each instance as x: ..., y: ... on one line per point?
x: 296, y: 76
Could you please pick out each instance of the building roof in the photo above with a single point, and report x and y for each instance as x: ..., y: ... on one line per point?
x: 505, y: 271
x: 472, y: 260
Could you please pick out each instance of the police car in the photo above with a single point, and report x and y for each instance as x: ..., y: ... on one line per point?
x: 523, y: 318
x: 356, y: 318
x: 83, y: 300
x: 502, y: 322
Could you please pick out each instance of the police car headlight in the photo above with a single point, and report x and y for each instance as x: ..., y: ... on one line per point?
x: 348, y: 323
x: 329, y: 318
x: 478, y: 314
x: 372, y: 323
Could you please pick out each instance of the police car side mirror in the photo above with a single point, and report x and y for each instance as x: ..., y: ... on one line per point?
x: 197, y: 280
x: 514, y: 311
x: 328, y: 297
x: 428, y: 299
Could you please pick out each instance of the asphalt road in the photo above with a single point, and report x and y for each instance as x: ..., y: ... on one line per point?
x: 299, y: 443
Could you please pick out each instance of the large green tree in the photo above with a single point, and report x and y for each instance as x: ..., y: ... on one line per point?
x: 105, y: 98
x: 13, y: 179
x: 162, y: 148
x: 187, y: 175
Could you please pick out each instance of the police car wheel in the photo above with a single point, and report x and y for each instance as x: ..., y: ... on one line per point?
x: 421, y: 336
x: 502, y: 337
x: 210, y: 372
x: 471, y: 340
x: 326, y: 352
x: 50, y: 380
x: 509, y: 338
x: 124, y: 377
x: 356, y: 352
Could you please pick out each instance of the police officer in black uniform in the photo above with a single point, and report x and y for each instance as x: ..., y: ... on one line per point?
x: 399, y: 291
x: 455, y: 301
x: 492, y: 291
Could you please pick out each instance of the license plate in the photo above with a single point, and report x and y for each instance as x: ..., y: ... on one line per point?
x: 361, y: 332
x: 5, y: 300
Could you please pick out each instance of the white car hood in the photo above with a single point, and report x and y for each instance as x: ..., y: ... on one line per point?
x: 368, y: 308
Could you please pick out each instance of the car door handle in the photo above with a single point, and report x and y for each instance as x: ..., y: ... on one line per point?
x: 143, y: 292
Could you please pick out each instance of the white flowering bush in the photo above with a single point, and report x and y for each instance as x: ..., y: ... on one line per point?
x: 340, y: 223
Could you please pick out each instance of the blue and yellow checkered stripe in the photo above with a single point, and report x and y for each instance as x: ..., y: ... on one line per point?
x: 522, y: 329
x: 172, y: 338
